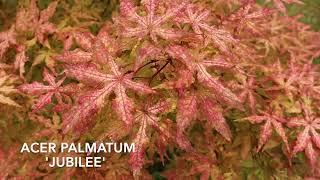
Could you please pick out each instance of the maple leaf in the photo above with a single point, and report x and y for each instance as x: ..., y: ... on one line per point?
x: 248, y: 18
x: 194, y: 16
x: 214, y: 116
x: 95, y: 48
x: 36, y: 21
x: 247, y: 87
x: 46, y: 92
x: 7, y: 39
x: 309, y: 136
x: 146, y: 117
x: 150, y: 25
x: 186, y: 112
x: 199, y: 66
x: 93, y: 100
x: 271, y: 122
x: 6, y: 89
x: 188, y: 105
x: 197, y: 19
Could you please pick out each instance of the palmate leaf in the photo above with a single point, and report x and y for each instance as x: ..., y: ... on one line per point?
x: 97, y: 49
x: 150, y: 25
x: 93, y: 100
x: 189, y: 105
x: 249, y: 17
x: 271, y: 122
x: 247, y: 88
x: 197, y: 19
x: 187, y: 111
x: 214, y: 116
x: 197, y: 66
x: 46, y: 92
x: 309, y: 136
x: 145, y: 118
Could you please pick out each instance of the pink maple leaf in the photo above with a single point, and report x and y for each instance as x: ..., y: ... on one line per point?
x: 188, y: 106
x: 197, y: 19
x: 249, y: 18
x: 146, y: 117
x: 309, y: 136
x: 271, y: 122
x: 214, y: 114
x: 150, y: 25
x: 247, y: 91
x: 92, y: 101
x: 94, y: 48
x: 46, y: 92
x: 198, y: 66
x: 186, y: 113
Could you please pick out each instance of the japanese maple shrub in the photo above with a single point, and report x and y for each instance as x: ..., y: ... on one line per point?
x: 198, y: 86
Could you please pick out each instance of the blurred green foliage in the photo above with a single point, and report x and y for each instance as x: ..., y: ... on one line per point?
x: 310, y: 11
